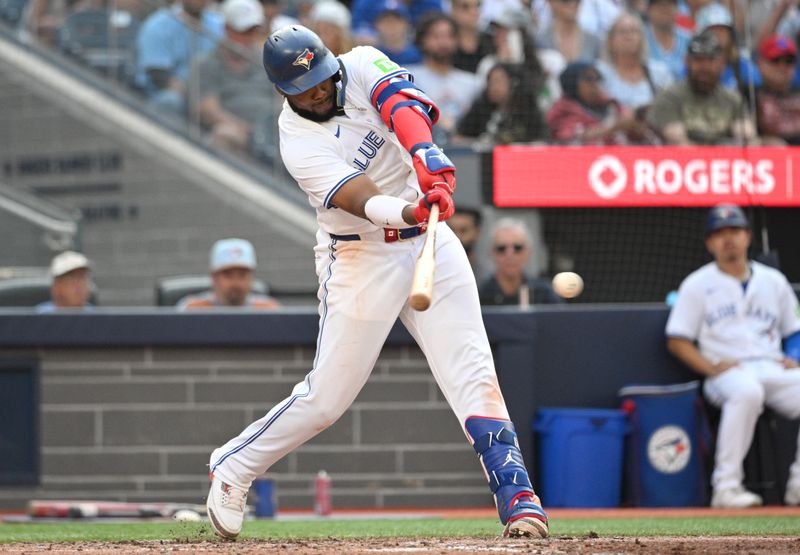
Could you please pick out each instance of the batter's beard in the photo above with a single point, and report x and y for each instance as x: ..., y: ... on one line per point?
x: 314, y: 116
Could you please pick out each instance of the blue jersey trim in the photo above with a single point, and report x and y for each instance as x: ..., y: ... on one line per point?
x: 332, y: 192
x: 293, y: 398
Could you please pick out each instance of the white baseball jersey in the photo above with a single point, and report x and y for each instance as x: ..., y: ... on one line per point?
x: 364, y: 283
x: 323, y: 157
x: 733, y: 322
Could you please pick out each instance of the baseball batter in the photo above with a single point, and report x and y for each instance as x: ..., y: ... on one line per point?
x: 738, y: 311
x: 355, y: 133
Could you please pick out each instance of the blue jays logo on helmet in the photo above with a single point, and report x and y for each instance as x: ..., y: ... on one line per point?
x: 304, y: 59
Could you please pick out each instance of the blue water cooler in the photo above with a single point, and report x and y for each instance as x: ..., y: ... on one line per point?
x: 668, y: 448
x: 580, y: 456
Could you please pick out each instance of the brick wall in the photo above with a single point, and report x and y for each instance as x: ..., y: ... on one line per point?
x: 138, y: 424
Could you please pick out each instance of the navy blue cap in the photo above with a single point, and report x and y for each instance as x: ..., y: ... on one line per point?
x: 725, y: 215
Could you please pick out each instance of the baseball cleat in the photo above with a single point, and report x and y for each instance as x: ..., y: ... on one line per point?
x: 225, y: 505
x: 792, y: 497
x: 735, y: 498
x: 527, y: 519
x: 527, y: 527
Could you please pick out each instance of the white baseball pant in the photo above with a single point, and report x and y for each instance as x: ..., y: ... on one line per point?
x: 364, y: 286
x: 742, y: 392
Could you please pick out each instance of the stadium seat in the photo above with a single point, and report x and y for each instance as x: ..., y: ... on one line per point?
x: 103, y: 40
x: 170, y: 290
x: 27, y: 291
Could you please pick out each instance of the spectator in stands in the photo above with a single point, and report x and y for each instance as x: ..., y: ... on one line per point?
x: 594, y: 16
x: 473, y: 43
x: 232, y: 263
x: 687, y: 12
x: 586, y: 115
x: 169, y: 41
x: 466, y: 224
x: 511, y: 249
x: 777, y: 102
x: 699, y: 110
x: 365, y: 11
x: 566, y: 36
x: 44, y: 18
x: 630, y: 76
x: 275, y: 16
x: 717, y: 19
x: 512, y: 43
x: 727, y: 324
x: 233, y: 93
x: 784, y: 19
x: 666, y: 41
x: 331, y: 21
x: 71, y: 284
x: 506, y: 112
x: 638, y: 7
x: 451, y: 89
x: 781, y: 17
x: 393, y: 25
x: 301, y: 10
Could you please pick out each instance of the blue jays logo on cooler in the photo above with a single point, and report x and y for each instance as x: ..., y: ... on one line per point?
x: 304, y: 59
x: 669, y: 449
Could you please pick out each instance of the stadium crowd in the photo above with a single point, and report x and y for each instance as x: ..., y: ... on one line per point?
x: 502, y: 71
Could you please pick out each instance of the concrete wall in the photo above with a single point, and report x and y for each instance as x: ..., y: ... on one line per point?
x: 139, y: 424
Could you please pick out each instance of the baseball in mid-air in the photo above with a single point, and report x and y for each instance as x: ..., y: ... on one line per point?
x: 186, y: 515
x: 568, y: 284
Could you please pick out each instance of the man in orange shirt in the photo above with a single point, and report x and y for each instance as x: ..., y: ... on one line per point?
x: 233, y: 262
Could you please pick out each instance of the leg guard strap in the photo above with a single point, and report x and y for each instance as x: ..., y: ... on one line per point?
x: 500, y: 478
x: 495, y: 441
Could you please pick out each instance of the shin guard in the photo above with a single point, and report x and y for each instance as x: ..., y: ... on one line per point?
x: 495, y: 441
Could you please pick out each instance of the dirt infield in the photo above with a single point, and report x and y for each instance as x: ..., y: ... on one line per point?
x: 589, y: 544
x: 450, y: 546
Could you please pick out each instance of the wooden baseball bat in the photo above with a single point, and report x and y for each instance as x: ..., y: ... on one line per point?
x: 422, y: 286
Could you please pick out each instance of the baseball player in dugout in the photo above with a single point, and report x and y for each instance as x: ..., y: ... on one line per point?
x: 737, y: 322
x: 355, y: 133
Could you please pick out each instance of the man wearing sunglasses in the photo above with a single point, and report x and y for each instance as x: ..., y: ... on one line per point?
x: 777, y: 102
x: 511, y: 250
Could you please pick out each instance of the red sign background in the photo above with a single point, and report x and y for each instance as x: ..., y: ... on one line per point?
x: 531, y: 176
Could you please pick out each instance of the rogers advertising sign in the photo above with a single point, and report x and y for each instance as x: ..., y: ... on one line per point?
x: 526, y: 176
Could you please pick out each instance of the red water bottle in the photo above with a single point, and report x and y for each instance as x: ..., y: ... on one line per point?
x: 323, y: 498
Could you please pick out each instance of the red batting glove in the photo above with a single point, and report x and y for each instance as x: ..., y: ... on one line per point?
x: 433, y: 168
x: 436, y: 196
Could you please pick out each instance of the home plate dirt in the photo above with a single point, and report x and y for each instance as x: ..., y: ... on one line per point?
x: 553, y: 546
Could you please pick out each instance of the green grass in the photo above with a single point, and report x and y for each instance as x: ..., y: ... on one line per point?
x: 266, y: 529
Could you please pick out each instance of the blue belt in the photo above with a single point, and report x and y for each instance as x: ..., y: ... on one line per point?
x: 390, y: 235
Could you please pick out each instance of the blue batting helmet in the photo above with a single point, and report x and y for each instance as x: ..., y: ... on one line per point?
x: 296, y: 60
x: 725, y: 215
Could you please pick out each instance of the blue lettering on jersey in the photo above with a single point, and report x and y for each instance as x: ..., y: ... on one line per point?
x: 762, y: 315
x: 719, y: 313
x: 369, y: 149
